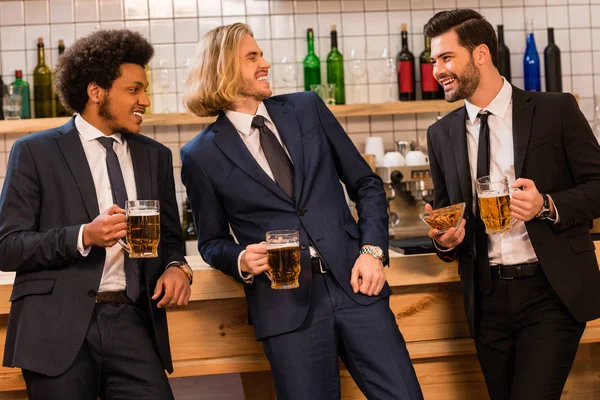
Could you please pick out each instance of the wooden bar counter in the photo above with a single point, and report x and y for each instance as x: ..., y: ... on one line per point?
x: 211, y: 335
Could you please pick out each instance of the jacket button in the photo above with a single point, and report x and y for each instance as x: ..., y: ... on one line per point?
x: 301, y: 212
x: 91, y: 293
x: 303, y: 246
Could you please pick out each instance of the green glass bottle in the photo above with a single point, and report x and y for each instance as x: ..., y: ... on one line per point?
x: 312, y: 65
x: 19, y: 82
x: 42, y: 86
x: 61, y: 110
x: 335, y: 69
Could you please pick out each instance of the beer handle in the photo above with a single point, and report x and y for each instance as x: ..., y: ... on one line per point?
x: 513, y: 220
x: 124, y: 245
x: 269, y: 275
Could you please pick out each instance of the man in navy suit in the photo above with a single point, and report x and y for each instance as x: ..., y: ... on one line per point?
x: 86, y: 321
x: 276, y: 163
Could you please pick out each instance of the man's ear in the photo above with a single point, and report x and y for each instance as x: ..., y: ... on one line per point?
x: 95, y: 92
x: 481, y: 54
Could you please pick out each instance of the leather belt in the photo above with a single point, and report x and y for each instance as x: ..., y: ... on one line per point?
x: 113, y: 297
x: 516, y: 271
x: 318, y: 266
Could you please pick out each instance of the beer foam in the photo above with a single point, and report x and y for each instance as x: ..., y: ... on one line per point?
x: 143, y: 213
x: 490, y: 193
x: 276, y: 246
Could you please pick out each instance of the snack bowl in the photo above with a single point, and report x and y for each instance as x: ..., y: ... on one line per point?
x: 444, y: 218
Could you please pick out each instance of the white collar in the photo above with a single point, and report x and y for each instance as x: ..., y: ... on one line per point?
x: 89, y: 132
x: 243, y: 122
x: 497, y: 106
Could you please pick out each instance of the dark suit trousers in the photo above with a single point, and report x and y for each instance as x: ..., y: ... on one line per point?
x: 526, y: 340
x: 117, y: 361
x: 305, y: 364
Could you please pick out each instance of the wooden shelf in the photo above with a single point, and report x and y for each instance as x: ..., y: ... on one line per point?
x: 350, y: 110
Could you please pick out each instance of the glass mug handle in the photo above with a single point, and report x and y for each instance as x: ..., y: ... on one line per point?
x: 513, y: 220
x: 269, y: 275
x: 124, y: 245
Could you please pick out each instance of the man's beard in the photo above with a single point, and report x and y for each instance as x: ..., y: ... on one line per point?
x: 105, y: 112
x: 248, y: 90
x: 468, y: 82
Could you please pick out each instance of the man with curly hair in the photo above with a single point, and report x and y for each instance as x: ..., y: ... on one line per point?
x: 87, y: 321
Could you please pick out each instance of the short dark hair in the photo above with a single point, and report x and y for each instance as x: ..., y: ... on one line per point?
x: 97, y: 58
x: 471, y: 27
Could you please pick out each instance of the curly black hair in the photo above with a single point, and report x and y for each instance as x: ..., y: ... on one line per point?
x: 97, y: 58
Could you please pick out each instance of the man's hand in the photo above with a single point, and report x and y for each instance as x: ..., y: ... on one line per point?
x: 255, y: 260
x: 174, y: 283
x: 452, y: 237
x: 368, y: 276
x: 105, y: 229
x: 525, y: 203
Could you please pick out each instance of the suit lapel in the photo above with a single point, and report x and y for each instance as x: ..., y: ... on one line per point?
x: 142, y: 170
x: 229, y: 141
x: 522, y: 120
x: 285, y: 120
x: 458, y: 138
x: 72, y: 150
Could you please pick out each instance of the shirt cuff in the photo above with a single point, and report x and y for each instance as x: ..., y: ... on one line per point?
x: 249, y: 278
x: 80, y: 249
x: 557, y: 219
x: 440, y: 248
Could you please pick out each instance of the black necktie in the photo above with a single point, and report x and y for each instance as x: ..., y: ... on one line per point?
x: 280, y: 163
x: 481, y: 239
x: 119, y: 193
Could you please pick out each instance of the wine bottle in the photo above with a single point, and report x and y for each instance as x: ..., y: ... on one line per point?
x: 61, y: 110
x: 189, y: 229
x: 1, y: 96
x: 531, y: 61
x: 312, y: 65
x: 406, y: 69
x: 503, y: 55
x: 42, y: 86
x: 429, y: 86
x: 24, y: 90
x: 335, y: 69
x: 552, y: 66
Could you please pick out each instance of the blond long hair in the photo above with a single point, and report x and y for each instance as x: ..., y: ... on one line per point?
x: 214, y: 80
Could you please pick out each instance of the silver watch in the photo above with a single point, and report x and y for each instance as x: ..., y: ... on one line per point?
x: 374, y: 251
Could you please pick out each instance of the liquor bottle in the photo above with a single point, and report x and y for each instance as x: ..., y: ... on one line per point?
x: 61, y: 110
x: 1, y: 96
x: 189, y: 229
x: 503, y: 55
x: 552, y: 66
x: 531, y: 61
x: 406, y: 69
x: 19, y: 82
x: 312, y: 65
x: 429, y: 86
x: 335, y: 69
x: 42, y: 86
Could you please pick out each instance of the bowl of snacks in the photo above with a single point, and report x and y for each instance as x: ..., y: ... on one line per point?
x: 444, y: 218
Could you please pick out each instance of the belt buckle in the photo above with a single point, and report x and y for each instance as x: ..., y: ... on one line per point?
x: 502, y: 276
x: 323, y: 271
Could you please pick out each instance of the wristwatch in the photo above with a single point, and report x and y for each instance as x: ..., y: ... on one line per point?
x: 545, y: 210
x: 185, y: 268
x: 374, y: 251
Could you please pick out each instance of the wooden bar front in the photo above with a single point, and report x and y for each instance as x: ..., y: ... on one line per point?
x: 211, y: 335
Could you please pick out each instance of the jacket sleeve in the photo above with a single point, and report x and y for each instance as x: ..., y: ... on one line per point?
x: 215, y: 243
x: 580, y: 203
x: 23, y: 247
x: 364, y: 187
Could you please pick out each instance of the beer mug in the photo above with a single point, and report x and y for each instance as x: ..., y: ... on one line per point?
x: 143, y: 228
x: 494, y: 204
x: 283, y: 250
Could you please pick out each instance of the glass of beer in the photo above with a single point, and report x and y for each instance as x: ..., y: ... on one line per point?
x: 143, y: 228
x: 494, y: 204
x: 283, y: 250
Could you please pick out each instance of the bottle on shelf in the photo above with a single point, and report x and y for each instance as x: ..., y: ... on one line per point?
x: 312, y: 65
x: 429, y: 86
x: 503, y: 55
x: 149, y: 89
x: 335, y: 69
x: 552, y: 67
x: 1, y: 96
x: 61, y: 110
x: 531, y: 61
x: 596, y: 121
x: 42, y: 86
x: 188, y: 228
x: 24, y: 90
x: 406, y: 69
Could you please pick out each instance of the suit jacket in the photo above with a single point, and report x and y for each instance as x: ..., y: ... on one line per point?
x: 47, y: 195
x: 555, y: 147
x: 227, y: 188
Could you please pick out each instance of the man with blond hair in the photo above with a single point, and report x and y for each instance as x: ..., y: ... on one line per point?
x: 276, y: 163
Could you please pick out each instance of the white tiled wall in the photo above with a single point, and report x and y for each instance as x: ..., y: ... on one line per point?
x: 365, y: 26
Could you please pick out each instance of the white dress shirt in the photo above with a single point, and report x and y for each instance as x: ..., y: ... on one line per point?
x: 513, y: 246
x: 113, y: 275
x: 251, y: 138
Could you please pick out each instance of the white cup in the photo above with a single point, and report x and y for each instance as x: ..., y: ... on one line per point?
x: 393, y: 159
x: 416, y: 157
x: 374, y: 145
